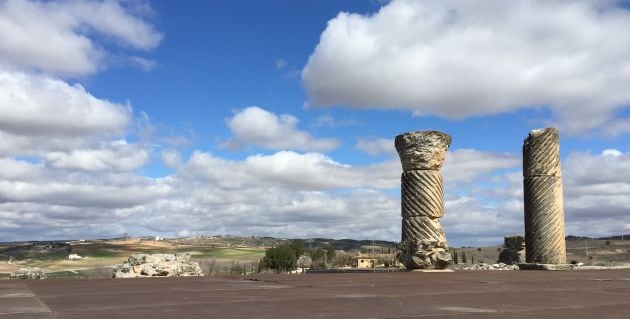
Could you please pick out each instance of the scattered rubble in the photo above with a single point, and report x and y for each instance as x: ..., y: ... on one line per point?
x: 484, y: 266
x: 28, y: 273
x: 157, y: 265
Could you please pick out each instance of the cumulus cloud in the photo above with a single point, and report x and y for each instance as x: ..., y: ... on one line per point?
x: 281, y: 194
x: 595, y: 198
x: 24, y: 182
x: 472, y: 221
x: 376, y: 146
x: 467, y: 165
x: 285, y: 194
x: 596, y: 188
x: 37, y: 105
x: 290, y: 194
x: 457, y: 59
x: 291, y: 170
x: 254, y: 125
x: 53, y: 36
x: 114, y: 156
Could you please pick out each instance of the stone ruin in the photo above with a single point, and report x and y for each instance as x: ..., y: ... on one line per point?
x: 513, y: 252
x: 544, y: 213
x: 28, y: 273
x: 423, y: 244
x: 157, y: 265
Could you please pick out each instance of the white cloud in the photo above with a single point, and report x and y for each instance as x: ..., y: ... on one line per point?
x: 470, y: 221
x: 37, y: 105
x: 289, y: 194
x: 467, y: 165
x: 145, y: 64
x: 611, y: 152
x: 115, y: 156
x: 24, y: 182
x: 285, y: 194
x: 596, y: 188
x: 53, y: 36
x: 291, y: 170
x: 377, y: 146
x: 458, y: 59
x: 595, y: 199
x: 327, y: 120
x: 171, y: 158
x: 254, y: 125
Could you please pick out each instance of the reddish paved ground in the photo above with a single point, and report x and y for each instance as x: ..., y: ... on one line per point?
x: 507, y: 294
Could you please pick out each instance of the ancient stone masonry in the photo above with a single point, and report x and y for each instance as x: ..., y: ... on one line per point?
x: 423, y: 244
x: 513, y: 252
x: 542, y: 183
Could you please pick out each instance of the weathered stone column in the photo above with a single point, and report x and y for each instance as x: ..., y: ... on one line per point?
x: 513, y: 252
x: 544, y: 213
x: 423, y: 244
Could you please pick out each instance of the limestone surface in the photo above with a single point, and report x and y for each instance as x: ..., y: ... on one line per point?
x: 513, y: 252
x: 423, y: 244
x: 157, y: 265
x: 542, y: 185
x: 422, y: 150
x: 541, y: 153
x: 422, y: 194
x: 424, y: 254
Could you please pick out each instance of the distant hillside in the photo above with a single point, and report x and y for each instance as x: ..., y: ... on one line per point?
x: 616, y: 237
x: 348, y: 244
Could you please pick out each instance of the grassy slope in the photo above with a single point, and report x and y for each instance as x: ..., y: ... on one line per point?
x: 102, y: 255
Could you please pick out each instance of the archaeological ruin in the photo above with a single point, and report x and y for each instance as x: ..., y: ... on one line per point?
x: 423, y: 244
x: 544, y: 213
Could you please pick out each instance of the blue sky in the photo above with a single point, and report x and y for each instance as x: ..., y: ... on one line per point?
x: 278, y: 117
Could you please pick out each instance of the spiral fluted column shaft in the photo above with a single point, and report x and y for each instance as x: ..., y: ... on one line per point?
x: 542, y: 185
x: 423, y: 244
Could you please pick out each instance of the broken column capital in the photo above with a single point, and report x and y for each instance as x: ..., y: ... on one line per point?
x: 541, y: 153
x: 422, y: 150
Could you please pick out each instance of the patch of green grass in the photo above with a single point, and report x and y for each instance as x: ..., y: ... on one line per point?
x: 104, y: 254
x: 229, y: 253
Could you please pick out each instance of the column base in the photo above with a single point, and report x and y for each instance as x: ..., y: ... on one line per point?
x: 422, y: 254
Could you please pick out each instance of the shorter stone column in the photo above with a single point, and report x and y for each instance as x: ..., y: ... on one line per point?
x: 542, y: 184
x: 423, y: 244
x: 513, y: 252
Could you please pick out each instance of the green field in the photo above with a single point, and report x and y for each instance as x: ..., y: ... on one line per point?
x: 229, y: 253
x: 102, y: 256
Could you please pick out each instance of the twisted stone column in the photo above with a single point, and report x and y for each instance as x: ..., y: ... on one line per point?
x: 544, y: 213
x: 423, y: 244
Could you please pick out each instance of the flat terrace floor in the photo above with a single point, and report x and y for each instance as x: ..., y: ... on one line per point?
x: 464, y: 294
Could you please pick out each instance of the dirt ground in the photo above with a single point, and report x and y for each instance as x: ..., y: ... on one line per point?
x: 7, y: 268
x: 464, y: 294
